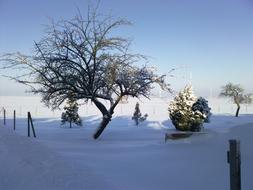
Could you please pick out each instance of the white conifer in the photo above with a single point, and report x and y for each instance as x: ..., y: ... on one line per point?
x: 182, y: 114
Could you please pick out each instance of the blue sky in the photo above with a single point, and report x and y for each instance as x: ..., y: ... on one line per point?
x: 209, y: 41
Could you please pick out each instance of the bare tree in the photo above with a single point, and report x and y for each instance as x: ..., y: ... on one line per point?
x: 234, y: 91
x: 82, y: 57
x: 248, y: 98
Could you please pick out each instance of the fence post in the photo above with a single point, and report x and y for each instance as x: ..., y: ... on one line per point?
x: 234, y: 160
x: 4, y: 116
x: 14, y: 120
x: 28, y: 124
x: 30, y: 121
x: 34, y: 135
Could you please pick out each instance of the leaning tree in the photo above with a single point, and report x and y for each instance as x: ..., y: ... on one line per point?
x: 85, y: 57
x: 236, y: 93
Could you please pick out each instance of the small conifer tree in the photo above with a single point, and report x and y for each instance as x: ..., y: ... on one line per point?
x: 202, y: 105
x: 70, y: 113
x: 137, y: 115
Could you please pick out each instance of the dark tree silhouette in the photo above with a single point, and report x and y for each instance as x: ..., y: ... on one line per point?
x: 70, y: 113
x: 235, y: 92
x: 85, y: 58
x: 137, y: 116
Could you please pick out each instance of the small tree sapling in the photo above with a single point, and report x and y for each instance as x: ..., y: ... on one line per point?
x: 70, y: 113
x: 137, y: 116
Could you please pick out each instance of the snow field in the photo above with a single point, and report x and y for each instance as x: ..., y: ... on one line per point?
x: 126, y: 157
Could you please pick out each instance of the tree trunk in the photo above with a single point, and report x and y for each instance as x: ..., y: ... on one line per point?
x: 70, y: 124
x: 136, y: 121
x: 237, y: 111
x: 101, y: 127
x: 107, y: 115
x: 106, y: 118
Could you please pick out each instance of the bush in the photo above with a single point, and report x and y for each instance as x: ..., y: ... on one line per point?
x: 187, y: 112
x: 202, y: 105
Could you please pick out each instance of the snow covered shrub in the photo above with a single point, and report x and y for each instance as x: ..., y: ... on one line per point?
x: 202, y: 105
x: 188, y: 113
x: 137, y: 115
x: 143, y: 118
x: 71, y: 113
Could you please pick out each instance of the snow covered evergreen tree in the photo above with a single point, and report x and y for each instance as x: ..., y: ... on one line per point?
x: 188, y: 113
x: 202, y: 105
x: 180, y: 109
x: 137, y: 115
x: 71, y: 113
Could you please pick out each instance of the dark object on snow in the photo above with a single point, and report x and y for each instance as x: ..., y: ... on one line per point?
x: 4, y: 116
x: 30, y: 124
x: 234, y: 160
x: 175, y: 136
x: 181, y: 135
x: 14, y: 120
x: 137, y: 115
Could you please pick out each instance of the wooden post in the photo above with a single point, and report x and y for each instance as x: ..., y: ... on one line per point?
x: 4, y: 116
x: 28, y: 124
x: 234, y: 160
x: 30, y: 121
x: 34, y: 135
x: 14, y: 120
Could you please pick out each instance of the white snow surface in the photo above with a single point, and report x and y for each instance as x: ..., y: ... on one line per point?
x: 125, y: 157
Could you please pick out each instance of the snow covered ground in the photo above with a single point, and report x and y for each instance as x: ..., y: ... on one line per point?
x: 126, y: 157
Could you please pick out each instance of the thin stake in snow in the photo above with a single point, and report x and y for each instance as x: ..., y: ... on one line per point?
x: 234, y: 160
x: 14, y: 120
x: 4, y: 116
x: 30, y: 123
